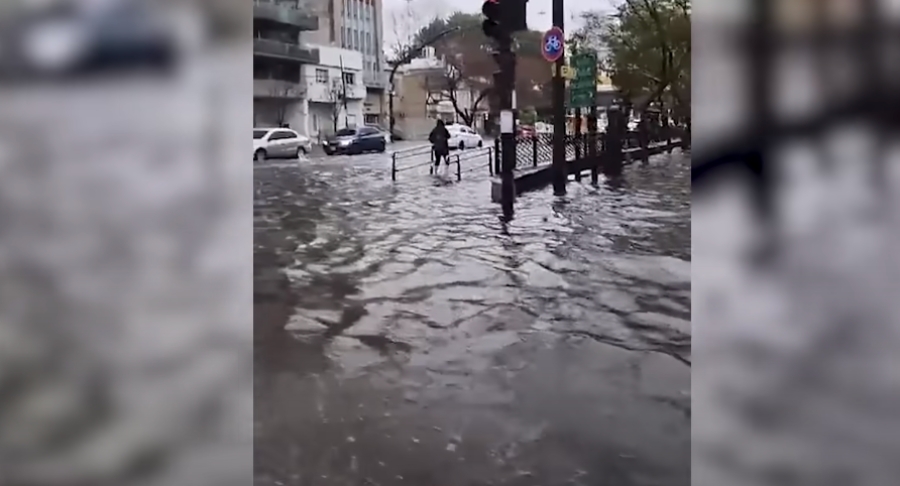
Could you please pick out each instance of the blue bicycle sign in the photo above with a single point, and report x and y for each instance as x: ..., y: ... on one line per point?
x: 553, y: 44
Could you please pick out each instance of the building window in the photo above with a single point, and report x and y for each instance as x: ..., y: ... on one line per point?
x: 370, y: 48
x: 350, y: 78
x: 322, y: 76
x: 344, y: 37
x: 356, y: 39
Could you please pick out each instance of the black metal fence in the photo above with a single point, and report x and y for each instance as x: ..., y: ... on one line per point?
x: 537, y: 149
x: 421, y: 159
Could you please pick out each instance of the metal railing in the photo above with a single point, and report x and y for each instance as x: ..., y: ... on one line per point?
x: 423, y: 156
x: 537, y: 150
x: 402, y: 160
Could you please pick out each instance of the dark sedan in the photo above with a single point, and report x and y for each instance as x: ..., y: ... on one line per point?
x: 355, y: 141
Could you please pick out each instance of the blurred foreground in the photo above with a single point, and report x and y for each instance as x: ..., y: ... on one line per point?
x: 125, y: 251
x: 795, y: 315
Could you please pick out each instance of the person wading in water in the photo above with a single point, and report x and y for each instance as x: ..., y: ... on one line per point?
x: 440, y: 144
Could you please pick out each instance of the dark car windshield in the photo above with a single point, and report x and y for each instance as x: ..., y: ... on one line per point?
x: 258, y: 134
x: 345, y: 132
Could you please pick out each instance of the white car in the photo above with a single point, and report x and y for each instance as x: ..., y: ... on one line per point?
x: 270, y: 143
x: 542, y: 128
x: 463, y: 137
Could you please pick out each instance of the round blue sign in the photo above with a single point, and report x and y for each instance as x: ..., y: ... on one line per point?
x: 553, y: 44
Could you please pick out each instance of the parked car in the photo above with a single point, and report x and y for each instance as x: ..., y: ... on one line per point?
x: 355, y: 141
x: 463, y: 137
x: 270, y: 143
x: 541, y: 128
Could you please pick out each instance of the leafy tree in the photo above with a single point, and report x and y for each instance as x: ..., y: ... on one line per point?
x: 468, y: 53
x: 528, y: 116
x: 645, y: 46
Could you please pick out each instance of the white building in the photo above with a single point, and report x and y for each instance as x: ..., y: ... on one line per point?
x: 356, y: 25
x: 335, y: 92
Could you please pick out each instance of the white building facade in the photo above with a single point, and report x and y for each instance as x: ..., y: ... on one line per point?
x: 356, y: 25
x: 335, y: 92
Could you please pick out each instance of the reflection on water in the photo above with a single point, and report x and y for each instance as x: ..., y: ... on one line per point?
x: 404, y: 335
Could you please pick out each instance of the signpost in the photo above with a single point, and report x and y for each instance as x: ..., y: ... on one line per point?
x: 583, y: 87
x: 553, y: 49
x: 553, y: 44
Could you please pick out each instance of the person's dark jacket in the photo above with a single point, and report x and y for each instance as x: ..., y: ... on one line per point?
x: 440, y: 140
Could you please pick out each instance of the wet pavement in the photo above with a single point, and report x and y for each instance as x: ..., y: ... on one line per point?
x: 405, y: 336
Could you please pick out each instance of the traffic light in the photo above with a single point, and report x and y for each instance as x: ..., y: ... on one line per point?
x: 492, y: 25
x: 514, y: 15
x: 503, y: 17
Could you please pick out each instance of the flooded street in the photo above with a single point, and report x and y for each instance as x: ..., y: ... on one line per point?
x: 405, y: 336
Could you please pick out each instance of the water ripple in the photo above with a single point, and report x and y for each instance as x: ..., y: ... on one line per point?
x: 551, y: 345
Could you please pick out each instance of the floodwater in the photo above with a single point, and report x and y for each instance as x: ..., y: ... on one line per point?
x: 405, y: 336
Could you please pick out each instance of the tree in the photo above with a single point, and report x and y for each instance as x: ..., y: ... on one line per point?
x: 469, y: 52
x: 407, y: 46
x: 645, y: 46
x: 406, y: 23
x: 528, y: 116
x: 337, y: 97
x: 447, y: 84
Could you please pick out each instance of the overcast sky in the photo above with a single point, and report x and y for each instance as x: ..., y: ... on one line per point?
x: 539, y: 13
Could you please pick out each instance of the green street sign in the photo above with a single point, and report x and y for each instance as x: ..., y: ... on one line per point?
x: 583, y: 87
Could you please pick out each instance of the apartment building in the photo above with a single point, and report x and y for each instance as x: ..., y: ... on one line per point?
x: 356, y: 25
x: 278, y: 57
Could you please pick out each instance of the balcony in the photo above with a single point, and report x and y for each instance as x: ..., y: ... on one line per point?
x: 285, y: 13
x: 374, y: 80
x: 282, y: 50
x: 275, y: 88
x: 325, y: 93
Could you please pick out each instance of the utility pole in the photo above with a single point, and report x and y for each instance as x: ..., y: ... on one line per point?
x: 344, y: 93
x: 502, y: 19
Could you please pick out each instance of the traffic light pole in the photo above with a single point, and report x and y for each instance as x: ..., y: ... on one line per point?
x: 560, y: 173
x: 502, y: 19
x: 507, y: 79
